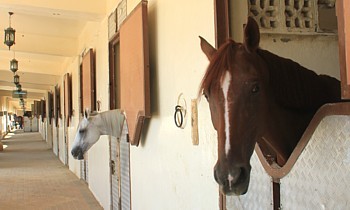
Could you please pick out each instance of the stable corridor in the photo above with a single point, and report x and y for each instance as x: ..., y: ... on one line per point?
x: 32, y: 177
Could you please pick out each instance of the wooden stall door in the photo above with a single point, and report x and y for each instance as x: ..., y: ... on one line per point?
x: 134, y: 71
x: 88, y: 81
x: 67, y: 97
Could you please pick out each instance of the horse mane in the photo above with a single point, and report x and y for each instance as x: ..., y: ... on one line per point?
x: 296, y: 87
x: 221, y: 61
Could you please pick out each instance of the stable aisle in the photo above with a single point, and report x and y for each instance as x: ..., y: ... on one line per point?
x: 32, y: 177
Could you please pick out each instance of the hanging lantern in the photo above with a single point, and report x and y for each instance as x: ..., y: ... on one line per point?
x: 14, y: 65
x: 19, y: 87
x: 16, y: 79
x: 10, y: 34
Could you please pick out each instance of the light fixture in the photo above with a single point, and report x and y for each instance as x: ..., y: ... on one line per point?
x: 14, y: 65
x: 16, y: 79
x: 19, y: 87
x: 21, y: 103
x: 9, y: 34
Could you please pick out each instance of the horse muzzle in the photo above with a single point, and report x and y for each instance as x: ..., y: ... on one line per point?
x: 77, y: 153
x: 234, y: 181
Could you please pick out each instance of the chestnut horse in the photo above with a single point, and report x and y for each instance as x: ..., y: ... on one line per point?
x: 257, y: 97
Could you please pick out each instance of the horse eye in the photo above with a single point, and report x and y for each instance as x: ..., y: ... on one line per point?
x: 81, y: 131
x: 255, y: 89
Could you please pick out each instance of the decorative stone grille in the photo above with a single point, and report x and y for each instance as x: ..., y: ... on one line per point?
x: 265, y: 12
x: 286, y: 16
x: 300, y: 15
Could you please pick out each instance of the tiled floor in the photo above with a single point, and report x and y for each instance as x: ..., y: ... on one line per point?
x: 31, y: 177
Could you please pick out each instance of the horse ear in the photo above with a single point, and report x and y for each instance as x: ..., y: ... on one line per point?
x: 208, y: 50
x: 86, y: 113
x: 251, y: 35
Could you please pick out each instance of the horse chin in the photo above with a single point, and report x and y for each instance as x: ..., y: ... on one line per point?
x: 234, y: 191
x: 238, y: 188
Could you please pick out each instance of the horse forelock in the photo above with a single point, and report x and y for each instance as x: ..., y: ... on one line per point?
x: 84, y: 123
x: 219, y: 64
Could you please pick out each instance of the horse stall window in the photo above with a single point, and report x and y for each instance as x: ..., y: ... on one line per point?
x: 57, y: 104
x: 67, y: 97
x: 294, y: 16
x: 88, y: 83
x: 43, y: 109
x: 114, y: 72
x: 37, y: 108
x: 50, y: 106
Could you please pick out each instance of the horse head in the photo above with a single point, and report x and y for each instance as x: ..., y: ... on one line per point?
x: 87, y: 134
x: 235, y: 86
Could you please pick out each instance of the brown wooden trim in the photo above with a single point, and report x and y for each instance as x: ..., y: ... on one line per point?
x: 326, y: 110
x: 276, y: 194
x: 57, y: 106
x: 112, y: 72
x: 222, y: 33
x: 50, y: 108
x: 221, y: 17
x: 146, y: 75
x: 343, y: 17
x: 93, y: 80
x: 43, y: 109
x: 67, y: 97
x: 222, y: 201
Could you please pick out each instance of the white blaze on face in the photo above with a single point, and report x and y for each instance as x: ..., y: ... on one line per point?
x: 225, y: 87
x: 230, y: 179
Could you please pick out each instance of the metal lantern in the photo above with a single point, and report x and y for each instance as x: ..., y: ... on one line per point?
x: 14, y: 65
x: 9, y: 34
x: 21, y: 103
x: 19, y: 87
x: 16, y: 79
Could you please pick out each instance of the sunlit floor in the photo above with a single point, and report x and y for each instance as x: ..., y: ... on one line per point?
x: 31, y: 177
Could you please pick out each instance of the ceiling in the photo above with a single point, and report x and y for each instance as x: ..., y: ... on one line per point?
x: 46, y: 37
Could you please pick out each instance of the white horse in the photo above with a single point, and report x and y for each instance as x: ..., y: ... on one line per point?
x: 92, y: 126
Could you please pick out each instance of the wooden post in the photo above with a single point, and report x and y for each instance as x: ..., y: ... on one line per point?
x: 343, y: 17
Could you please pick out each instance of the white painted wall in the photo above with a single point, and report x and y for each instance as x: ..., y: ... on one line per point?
x: 318, y: 53
x: 99, y: 172
x: 167, y: 171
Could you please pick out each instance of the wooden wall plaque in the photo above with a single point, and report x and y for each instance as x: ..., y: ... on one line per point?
x: 134, y: 71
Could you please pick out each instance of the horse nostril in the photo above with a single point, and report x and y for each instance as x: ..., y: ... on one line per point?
x: 216, y: 176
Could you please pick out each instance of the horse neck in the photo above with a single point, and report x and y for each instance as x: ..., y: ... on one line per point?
x: 282, y: 130
x: 111, y: 123
x: 297, y: 87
